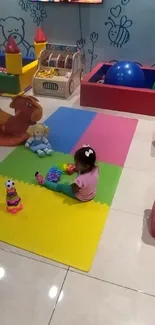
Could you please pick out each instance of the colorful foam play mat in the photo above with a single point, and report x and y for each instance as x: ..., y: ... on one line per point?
x: 51, y: 224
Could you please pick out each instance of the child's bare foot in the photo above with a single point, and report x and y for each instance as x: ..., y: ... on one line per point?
x: 39, y: 178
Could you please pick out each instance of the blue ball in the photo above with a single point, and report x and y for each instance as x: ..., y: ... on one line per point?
x: 125, y: 73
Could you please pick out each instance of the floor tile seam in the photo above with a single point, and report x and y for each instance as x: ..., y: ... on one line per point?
x: 139, y: 170
x: 39, y: 187
x: 112, y: 283
x: 124, y: 211
x: 57, y: 300
x: 34, y: 259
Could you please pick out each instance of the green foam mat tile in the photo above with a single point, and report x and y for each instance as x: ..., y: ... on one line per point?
x: 21, y: 164
x: 109, y: 176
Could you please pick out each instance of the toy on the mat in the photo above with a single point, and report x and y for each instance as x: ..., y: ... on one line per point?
x: 13, y: 201
x: 37, y: 141
x: 125, y: 73
x: 69, y: 168
x: 54, y: 174
x: 13, y: 127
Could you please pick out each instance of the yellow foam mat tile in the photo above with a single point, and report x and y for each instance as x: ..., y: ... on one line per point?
x: 12, y: 95
x: 53, y: 225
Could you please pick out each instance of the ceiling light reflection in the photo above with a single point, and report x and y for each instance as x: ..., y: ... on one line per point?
x: 2, y: 273
x: 53, y: 292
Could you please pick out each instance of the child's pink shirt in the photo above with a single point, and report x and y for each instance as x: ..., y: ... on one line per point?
x: 87, y: 183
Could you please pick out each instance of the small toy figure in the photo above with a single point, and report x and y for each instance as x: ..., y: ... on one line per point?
x: 38, y: 140
x: 69, y: 169
x: 12, y: 199
x: 54, y: 174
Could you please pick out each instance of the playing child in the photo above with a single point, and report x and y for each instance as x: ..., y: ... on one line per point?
x: 84, y: 186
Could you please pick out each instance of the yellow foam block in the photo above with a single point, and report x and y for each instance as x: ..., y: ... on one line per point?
x: 53, y: 225
x: 39, y: 47
x: 14, y: 63
x: 28, y: 72
x: 12, y: 95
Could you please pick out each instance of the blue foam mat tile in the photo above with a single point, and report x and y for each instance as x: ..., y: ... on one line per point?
x: 67, y: 126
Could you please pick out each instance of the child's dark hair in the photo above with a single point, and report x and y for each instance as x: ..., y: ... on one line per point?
x: 86, y: 156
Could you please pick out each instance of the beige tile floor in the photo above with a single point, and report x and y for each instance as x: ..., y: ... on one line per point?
x: 120, y: 288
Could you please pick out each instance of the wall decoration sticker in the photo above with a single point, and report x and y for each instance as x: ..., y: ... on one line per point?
x: 115, y: 11
x: 118, y: 33
x: 125, y: 2
x: 93, y: 38
x: 80, y: 43
x: 37, y: 10
x: 15, y: 27
x: 38, y: 13
x: 25, y: 4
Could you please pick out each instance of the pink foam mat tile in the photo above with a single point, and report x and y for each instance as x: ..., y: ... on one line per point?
x: 110, y: 136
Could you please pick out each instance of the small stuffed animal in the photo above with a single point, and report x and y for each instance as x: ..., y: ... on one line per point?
x: 37, y: 141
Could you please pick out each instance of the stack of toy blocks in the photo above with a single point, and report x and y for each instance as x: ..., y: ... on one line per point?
x: 18, y: 78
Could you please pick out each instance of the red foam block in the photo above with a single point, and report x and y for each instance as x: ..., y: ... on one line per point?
x: 40, y: 36
x: 11, y: 46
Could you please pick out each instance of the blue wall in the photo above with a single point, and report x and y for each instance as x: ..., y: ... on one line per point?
x: 115, y: 30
